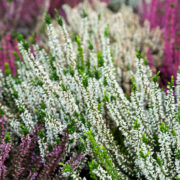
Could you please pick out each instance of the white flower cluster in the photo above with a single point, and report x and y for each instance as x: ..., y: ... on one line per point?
x: 74, y: 87
x: 126, y: 35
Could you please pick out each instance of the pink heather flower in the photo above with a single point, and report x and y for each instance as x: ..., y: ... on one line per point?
x: 54, y: 157
x: 5, y: 148
x: 7, y: 46
x: 166, y: 15
x: 2, y: 133
x: 17, y: 15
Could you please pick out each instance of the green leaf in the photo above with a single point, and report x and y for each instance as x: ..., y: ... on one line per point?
x: 7, y: 71
x: 106, y: 32
x: 100, y: 59
x: 59, y: 19
x: 156, y: 77
x: 7, y: 137
x: 133, y: 85
x: 2, y: 113
x: 106, y: 97
x: 177, y: 155
x: 142, y: 155
x: 85, y: 81
x: 163, y: 128
x: 24, y: 130
x: 48, y: 18
x: 136, y: 124
x: 145, y: 139
x: 84, y: 14
x: 171, y: 83
x: 139, y: 54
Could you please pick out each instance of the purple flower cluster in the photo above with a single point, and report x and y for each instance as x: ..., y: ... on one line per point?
x: 15, y: 16
x: 21, y: 16
x: 166, y: 15
x: 8, y: 45
x: 23, y: 159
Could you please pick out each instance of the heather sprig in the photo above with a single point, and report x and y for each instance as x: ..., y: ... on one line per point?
x: 123, y: 138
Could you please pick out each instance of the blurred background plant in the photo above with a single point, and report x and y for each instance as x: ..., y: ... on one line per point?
x: 26, y: 17
x: 166, y: 15
x: 126, y: 36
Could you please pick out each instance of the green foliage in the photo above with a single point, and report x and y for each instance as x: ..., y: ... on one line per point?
x: 105, y: 82
x: 2, y: 113
x: 106, y: 97
x: 156, y: 77
x: 17, y: 80
x: 71, y: 71
x: 145, y: 139
x: 20, y: 37
x: 21, y: 109
x: 71, y: 128
x: 14, y: 92
x: 48, y: 18
x: 84, y: 14
x: 100, y: 59
x: 40, y: 115
x: 97, y: 73
x: 99, y: 17
x: 100, y: 105
x: 24, y: 130
x: 178, y: 154
x: 160, y: 161
x: 172, y: 5
x: 102, y: 157
x: 142, y: 155
x: 37, y: 82
x: 7, y: 137
x: 7, y: 71
x: 85, y: 81
x: 67, y: 167
x: 92, y: 166
x: 32, y: 38
x: 163, y: 128
x: 41, y: 134
x: 54, y: 76
x: 146, y: 61
x: 64, y: 88
x: 90, y: 45
x: 174, y: 133
x: 15, y: 54
x: 106, y: 32
x: 43, y: 105
x: 139, y: 54
x: 178, y: 115
x: 59, y: 19
x: 136, y: 124
x: 171, y: 83
x: 58, y: 140
x: 133, y: 85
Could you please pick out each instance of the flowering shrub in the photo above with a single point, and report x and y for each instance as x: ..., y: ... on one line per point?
x: 25, y: 17
x: 23, y: 159
x: 73, y: 87
x: 165, y: 14
x: 126, y: 35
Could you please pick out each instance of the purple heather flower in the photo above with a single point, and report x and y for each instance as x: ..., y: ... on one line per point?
x: 165, y: 14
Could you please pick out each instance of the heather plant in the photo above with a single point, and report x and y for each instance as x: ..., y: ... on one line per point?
x: 22, y: 159
x: 8, y: 46
x: 25, y: 17
x: 73, y: 86
x: 165, y: 14
x: 126, y: 35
